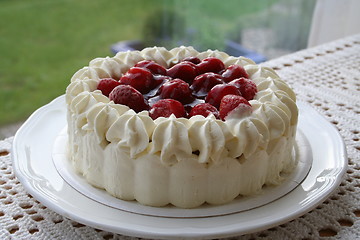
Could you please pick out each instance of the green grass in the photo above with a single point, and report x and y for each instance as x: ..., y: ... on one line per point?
x: 42, y: 43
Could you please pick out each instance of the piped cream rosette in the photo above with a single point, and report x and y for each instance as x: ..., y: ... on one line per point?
x: 184, y: 162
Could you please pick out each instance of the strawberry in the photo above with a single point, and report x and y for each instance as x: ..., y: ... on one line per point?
x: 139, y: 78
x: 211, y: 64
x: 152, y: 66
x: 204, y: 109
x: 176, y: 89
x: 129, y: 96
x: 204, y: 82
x: 186, y: 71
x: 247, y: 87
x: 159, y: 80
x: 106, y: 85
x: 230, y: 102
x: 233, y: 72
x: 166, y: 107
x: 218, y: 92
x: 194, y: 60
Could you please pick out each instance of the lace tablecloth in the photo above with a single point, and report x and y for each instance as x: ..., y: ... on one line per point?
x: 327, y: 77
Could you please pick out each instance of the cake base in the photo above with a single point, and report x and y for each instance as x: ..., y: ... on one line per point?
x: 302, y: 154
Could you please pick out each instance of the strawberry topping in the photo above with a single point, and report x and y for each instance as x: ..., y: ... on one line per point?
x: 204, y: 109
x: 166, y: 107
x: 106, y: 85
x: 246, y: 87
x: 233, y: 72
x: 218, y: 92
x: 176, y: 89
x: 211, y: 64
x: 204, y: 82
x: 152, y: 66
x: 186, y: 71
x: 139, y: 78
x: 129, y: 96
x: 188, y: 88
x: 230, y: 103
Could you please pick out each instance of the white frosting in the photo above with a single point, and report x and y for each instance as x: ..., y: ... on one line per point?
x: 185, y: 162
x: 170, y: 140
x: 209, y: 137
x: 131, y: 131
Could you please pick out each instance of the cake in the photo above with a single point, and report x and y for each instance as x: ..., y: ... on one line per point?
x: 180, y: 127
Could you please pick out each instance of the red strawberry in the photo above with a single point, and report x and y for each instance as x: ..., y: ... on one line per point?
x: 194, y: 60
x: 186, y: 71
x: 106, y: 85
x: 166, y: 107
x: 159, y: 80
x: 129, y: 96
x: 218, y: 92
x: 139, y: 78
x: 233, y: 72
x: 152, y: 66
x: 176, y: 89
x: 230, y: 103
x: 211, y: 64
x: 204, y: 109
x: 247, y: 87
x: 204, y: 82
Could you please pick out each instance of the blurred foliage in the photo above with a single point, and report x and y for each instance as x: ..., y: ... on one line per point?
x: 164, y: 27
x: 43, y: 43
x: 204, y: 24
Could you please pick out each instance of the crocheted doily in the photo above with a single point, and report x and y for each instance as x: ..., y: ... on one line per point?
x: 327, y: 77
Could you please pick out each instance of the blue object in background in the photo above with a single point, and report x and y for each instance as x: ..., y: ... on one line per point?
x: 124, y: 46
x: 236, y: 50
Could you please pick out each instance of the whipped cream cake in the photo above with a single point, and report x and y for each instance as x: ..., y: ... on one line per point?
x: 180, y: 127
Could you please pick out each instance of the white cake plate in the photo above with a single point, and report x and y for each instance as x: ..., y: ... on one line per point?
x: 33, y: 147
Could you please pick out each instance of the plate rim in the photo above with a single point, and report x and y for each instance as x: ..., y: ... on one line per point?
x: 147, y: 231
